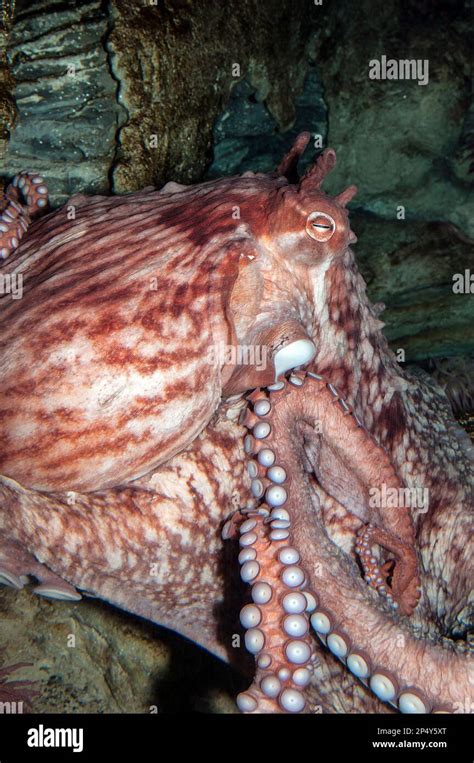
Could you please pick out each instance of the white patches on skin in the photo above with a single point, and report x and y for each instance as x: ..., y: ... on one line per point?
x: 150, y: 534
x: 201, y: 484
x: 373, y: 389
x: 73, y: 542
x: 188, y: 575
x: 114, y: 558
x: 164, y: 573
x: 305, y: 310
x: 81, y: 352
x: 184, y: 536
x: 26, y: 427
x: 319, y: 293
x: 131, y: 560
x: 290, y: 241
x: 168, y: 507
x: 56, y: 528
x: 377, y: 404
x: 207, y: 574
x: 367, y: 352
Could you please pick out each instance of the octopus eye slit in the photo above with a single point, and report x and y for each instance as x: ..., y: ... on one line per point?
x: 320, y: 226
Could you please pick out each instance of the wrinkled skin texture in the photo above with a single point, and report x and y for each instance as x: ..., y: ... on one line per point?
x: 122, y: 443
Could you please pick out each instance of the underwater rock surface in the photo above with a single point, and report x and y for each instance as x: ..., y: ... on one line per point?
x: 247, y: 136
x: 409, y: 266
x: 116, y: 97
x: 91, y: 658
x: 66, y: 97
x: 404, y: 142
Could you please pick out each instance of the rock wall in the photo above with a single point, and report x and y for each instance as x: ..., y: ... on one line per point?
x: 114, y: 97
x: 90, y: 658
x: 404, y: 142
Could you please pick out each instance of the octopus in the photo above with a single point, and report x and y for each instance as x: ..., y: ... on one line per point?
x: 200, y: 412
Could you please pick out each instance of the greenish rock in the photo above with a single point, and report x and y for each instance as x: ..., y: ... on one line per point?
x: 247, y: 136
x: 68, y: 115
x: 410, y: 267
x: 87, y: 657
x: 397, y: 140
x: 114, y: 97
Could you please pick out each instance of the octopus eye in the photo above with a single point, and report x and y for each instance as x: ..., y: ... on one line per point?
x: 320, y: 226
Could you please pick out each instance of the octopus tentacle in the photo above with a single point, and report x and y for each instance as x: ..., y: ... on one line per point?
x: 341, y: 612
x: 276, y: 622
x: 21, y: 201
x: 17, y: 565
x: 376, y: 575
x: 288, y: 165
x: 395, y: 531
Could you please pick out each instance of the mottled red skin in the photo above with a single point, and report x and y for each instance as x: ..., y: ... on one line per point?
x: 93, y: 331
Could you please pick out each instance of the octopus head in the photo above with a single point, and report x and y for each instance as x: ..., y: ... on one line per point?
x: 306, y: 224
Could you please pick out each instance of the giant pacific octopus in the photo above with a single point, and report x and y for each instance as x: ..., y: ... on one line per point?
x: 195, y: 380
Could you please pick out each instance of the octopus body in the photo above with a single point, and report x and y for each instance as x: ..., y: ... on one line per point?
x: 195, y: 382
